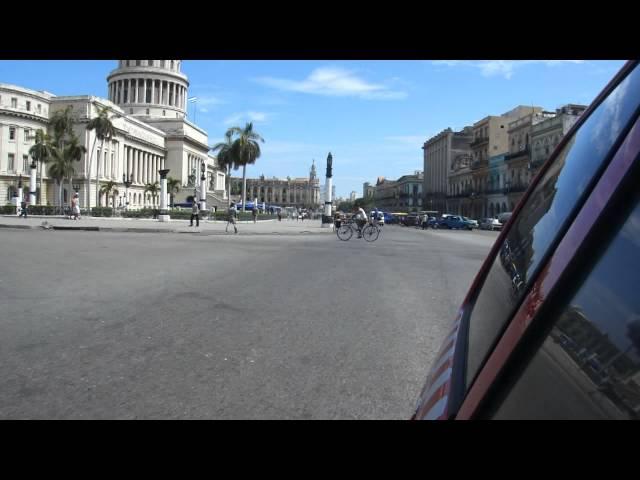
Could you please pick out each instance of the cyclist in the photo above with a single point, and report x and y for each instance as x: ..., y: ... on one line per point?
x: 361, y: 219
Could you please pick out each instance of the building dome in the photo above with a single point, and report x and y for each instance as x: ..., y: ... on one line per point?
x: 151, y: 88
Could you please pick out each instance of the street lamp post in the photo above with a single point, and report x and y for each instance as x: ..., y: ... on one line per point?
x: 203, y: 186
x: 20, y: 193
x: 32, y: 183
x: 164, y: 213
x: 126, y: 180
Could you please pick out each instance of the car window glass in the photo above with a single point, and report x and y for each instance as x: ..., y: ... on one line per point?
x: 589, y: 365
x: 544, y: 217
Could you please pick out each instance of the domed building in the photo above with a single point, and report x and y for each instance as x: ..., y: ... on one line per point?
x: 147, y: 101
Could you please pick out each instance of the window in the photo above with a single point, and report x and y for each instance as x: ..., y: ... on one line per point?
x: 131, y: 110
x: 39, y: 108
x: 28, y: 106
x: 27, y: 134
x: 147, y: 111
x: 14, y: 103
x: 544, y: 218
x: 11, y: 160
x: 12, y: 133
x: 587, y: 365
x: 138, y: 63
x: 164, y: 112
x: 25, y: 163
x: 163, y: 63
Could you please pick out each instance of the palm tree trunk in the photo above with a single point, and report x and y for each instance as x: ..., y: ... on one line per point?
x: 244, y: 185
x: 229, y: 186
x: 39, y: 190
x: 70, y: 184
x: 88, y: 181
x: 98, y: 173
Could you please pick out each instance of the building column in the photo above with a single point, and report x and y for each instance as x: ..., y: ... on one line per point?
x: 136, y: 165
x: 153, y: 91
x: 146, y: 168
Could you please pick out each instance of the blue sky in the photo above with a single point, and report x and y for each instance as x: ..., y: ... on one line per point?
x: 372, y: 115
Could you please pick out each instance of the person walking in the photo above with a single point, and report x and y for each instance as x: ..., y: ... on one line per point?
x: 195, y: 213
x: 255, y: 214
x: 23, y: 208
x: 75, y: 206
x: 231, y: 218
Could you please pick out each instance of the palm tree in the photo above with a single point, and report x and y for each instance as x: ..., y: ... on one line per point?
x: 246, y: 150
x: 60, y: 168
x: 41, y: 152
x: 108, y: 189
x: 226, y: 159
x: 153, y: 189
x: 173, y: 186
x: 104, y: 131
x: 74, y: 152
x: 61, y: 123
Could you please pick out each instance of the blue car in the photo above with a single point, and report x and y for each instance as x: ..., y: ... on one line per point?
x: 455, y: 222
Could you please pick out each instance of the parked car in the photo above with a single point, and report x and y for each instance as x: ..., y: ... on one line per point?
x: 504, y: 217
x: 470, y: 221
x: 490, y: 224
x: 411, y: 220
x: 569, y: 255
x: 455, y: 222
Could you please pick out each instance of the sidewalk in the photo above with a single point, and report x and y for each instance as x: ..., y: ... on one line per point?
x: 145, y: 225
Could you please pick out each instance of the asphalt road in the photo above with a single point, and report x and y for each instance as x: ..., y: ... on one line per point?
x: 100, y: 325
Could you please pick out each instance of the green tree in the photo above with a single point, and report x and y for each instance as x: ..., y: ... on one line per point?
x: 105, y: 130
x: 74, y: 153
x: 60, y: 167
x: 108, y: 188
x: 153, y: 189
x: 173, y: 187
x: 367, y: 204
x: 246, y: 150
x: 41, y: 152
x: 225, y: 159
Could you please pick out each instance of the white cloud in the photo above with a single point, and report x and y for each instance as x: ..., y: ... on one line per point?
x: 250, y: 116
x: 210, y: 100
x: 336, y: 82
x: 505, y: 68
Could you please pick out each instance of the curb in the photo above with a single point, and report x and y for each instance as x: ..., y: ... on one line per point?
x: 23, y: 227
x: 157, y: 230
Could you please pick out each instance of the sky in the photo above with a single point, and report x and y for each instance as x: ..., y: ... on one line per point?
x: 373, y: 116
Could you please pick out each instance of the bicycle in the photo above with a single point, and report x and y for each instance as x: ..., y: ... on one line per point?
x: 370, y: 232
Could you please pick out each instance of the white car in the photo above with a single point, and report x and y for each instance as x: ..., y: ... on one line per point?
x: 380, y: 218
x: 490, y: 224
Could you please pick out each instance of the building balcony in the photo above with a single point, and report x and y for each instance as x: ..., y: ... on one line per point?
x: 519, y: 154
x: 478, y: 164
x: 517, y: 188
x: 479, y: 141
x: 533, y: 165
